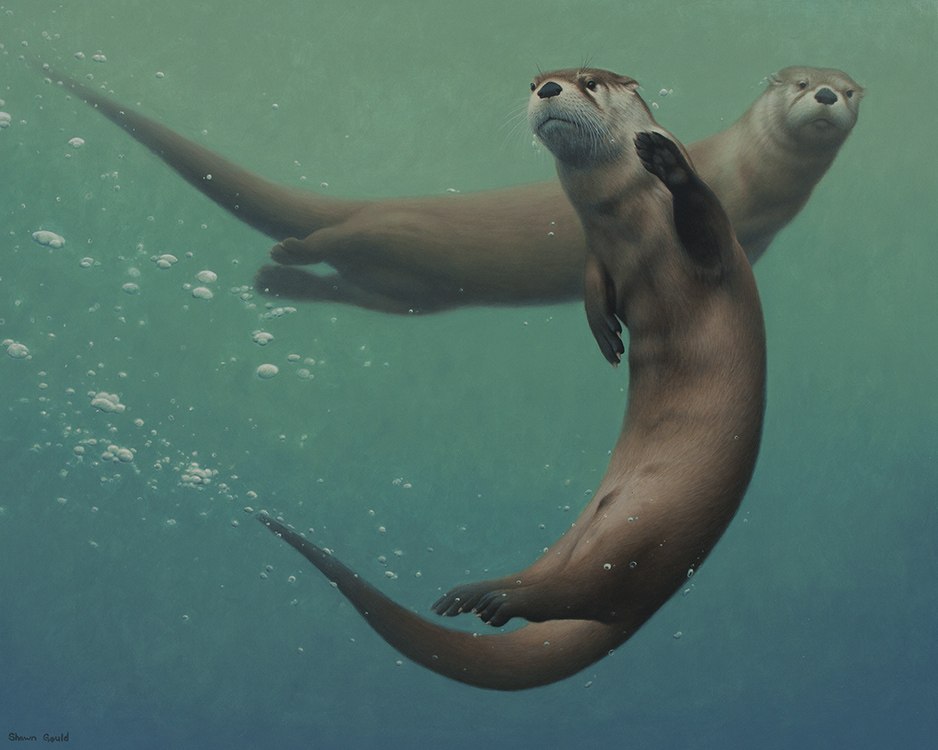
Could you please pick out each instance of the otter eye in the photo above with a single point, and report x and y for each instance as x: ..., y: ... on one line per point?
x: 850, y: 94
x: 802, y: 84
x: 591, y: 85
x: 533, y: 86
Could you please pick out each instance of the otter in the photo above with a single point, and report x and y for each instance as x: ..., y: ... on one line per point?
x: 662, y: 260
x: 514, y: 246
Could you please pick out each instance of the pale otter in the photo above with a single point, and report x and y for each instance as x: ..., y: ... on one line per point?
x: 664, y: 261
x: 513, y: 246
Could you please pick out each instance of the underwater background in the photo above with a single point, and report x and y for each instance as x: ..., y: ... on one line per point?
x: 142, y: 607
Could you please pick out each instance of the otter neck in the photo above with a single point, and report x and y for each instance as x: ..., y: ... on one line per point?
x: 602, y: 187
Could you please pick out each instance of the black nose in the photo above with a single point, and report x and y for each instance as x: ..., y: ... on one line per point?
x: 826, y: 96
x: 549, y: 89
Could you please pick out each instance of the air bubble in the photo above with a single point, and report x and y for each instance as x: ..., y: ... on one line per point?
x: 207, y: 277
x: 202, y: 292
x: 49, y: 239
x: 107, y: 402
x: 17, y: 350
x: 267, y: 371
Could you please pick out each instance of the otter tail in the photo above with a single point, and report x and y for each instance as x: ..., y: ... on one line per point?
x: 537, y: 654
x: 273, y: 209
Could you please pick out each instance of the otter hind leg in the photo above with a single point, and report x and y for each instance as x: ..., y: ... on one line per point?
x: 701, y: 223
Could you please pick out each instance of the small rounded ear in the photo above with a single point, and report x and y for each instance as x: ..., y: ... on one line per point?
x: 630, y: 83
x: 775, y: 79
x: 861, y: 91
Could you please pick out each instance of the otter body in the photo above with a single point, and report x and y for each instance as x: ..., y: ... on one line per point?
x: 662, y: 259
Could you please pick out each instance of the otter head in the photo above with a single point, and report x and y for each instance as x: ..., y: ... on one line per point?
x: 812, y: 108
x: 585, y: 116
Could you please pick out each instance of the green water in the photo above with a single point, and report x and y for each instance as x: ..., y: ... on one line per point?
x: 134, y: 611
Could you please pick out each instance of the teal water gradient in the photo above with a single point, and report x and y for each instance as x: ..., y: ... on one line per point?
x: 134, y: 614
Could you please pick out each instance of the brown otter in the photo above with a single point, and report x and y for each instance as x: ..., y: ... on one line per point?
x: 664, y: 261
x: 520, y: 245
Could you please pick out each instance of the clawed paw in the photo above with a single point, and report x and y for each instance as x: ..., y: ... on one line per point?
x: 489, y: 605
x: 289, y: 252
x: 663, y: 158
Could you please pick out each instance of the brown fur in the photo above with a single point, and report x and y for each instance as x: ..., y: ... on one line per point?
x: 520, y: 245
x: 666, y: 263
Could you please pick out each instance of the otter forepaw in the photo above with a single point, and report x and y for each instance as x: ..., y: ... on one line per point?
x: 663, y: 158
x: 290, y: 252
x: 491, y: 604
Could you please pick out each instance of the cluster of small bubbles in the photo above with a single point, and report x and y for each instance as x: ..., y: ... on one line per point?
x: 304, y: 374
x: 195, y: 476
x: 15, y: 349
x: 267, y: 371
x: 76, y: 142
x: 116, y: 454
x: 262, y: 338
x: 633, y: 564
x: 399, y: 482
x: 165, y: 260
x: 99, y: 57
x: 49, y: 239
x: 106, y: 402
x: 677, y: 635
x: 207, y: 277
x: 5, y: 120
x: 390, y: 574
x: 202, y: 292
x: 276, y: 312
x: 170, y: 521
x: 130, y: 288
x: 86, y: 262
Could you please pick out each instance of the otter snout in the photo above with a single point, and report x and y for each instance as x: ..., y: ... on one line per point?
x: 826, y: 96
x: 549, y: 89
